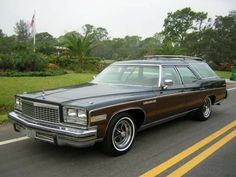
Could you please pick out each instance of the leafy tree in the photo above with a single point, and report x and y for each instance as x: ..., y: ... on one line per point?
x: 7, y: 44
x: 22, y: 31
x: 126, y: 48
x: 179, y: 23
x: 232, y: 13
x: 103, y: 49
x: 1, y: 34
x: 130, y: 47
x: 45, y: 43
x: 101, y: 34
x: 95, y: 34
x: 225, y: 38
x: 150, y: 44
x: 167, y: 48
x: 215, y: 43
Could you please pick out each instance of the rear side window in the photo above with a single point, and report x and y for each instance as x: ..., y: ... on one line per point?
x: 169, y: 73
x: 204, y: 70
x: 186, y: 74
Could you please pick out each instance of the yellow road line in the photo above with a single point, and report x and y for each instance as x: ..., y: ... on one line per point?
x: 177, y: 158
x: 202, y: 156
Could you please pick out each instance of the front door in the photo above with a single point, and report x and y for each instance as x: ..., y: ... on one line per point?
x: 172, y: 99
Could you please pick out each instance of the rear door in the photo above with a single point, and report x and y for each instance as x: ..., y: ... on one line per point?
x: 191, y: 87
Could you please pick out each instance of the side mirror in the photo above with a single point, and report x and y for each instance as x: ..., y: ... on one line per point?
x: 167, y: 83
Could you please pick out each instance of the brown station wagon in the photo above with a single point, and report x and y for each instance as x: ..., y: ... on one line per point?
x: 128, y: 96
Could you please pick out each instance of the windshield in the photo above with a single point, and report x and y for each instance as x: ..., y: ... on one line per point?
x: 140, y: 75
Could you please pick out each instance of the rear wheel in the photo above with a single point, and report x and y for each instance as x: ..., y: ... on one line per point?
x: 120, y: 135
x: 205, y: 111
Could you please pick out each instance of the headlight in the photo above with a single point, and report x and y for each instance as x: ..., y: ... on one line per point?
x: 71, y: 112
x: 75, y: 115
x: 18, y: 103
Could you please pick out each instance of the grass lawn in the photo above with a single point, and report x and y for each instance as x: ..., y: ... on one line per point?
x: 10, y: 86
x: 109, y: 61
x: 3, y: 118
x: 224, y: 74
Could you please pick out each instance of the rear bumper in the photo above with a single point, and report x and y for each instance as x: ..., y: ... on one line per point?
x: 54, y: 133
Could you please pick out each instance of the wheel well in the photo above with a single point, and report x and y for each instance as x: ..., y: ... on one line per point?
x: 213, y: 98
x: 137, y: 114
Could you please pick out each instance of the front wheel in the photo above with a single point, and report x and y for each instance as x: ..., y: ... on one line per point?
x: 120, y: 135
x: 205, y: 111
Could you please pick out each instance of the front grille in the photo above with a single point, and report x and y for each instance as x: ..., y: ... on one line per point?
x: 41, y: 111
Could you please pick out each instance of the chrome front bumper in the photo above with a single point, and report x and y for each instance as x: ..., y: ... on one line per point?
x: 53, y: 133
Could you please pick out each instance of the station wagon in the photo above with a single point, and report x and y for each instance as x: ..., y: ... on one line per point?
x: 126, y: 97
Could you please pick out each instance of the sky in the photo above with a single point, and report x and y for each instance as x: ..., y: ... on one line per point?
x: 120, y: 17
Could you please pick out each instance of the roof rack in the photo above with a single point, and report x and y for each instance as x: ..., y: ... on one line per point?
x: 172, y: 57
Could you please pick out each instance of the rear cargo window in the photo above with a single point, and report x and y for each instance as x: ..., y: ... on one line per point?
x: 204, y: 70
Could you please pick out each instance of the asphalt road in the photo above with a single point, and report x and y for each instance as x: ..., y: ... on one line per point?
x: 152, y: 147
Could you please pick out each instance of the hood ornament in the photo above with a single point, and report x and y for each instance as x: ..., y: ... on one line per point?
x: 43, y: 94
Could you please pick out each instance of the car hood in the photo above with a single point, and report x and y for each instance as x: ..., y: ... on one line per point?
x: 88, y: 94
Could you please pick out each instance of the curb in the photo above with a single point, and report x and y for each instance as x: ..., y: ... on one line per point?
x: 228, y: 81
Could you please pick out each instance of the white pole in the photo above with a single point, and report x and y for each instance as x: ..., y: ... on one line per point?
x: 34, y: 42
x: 34, y: 28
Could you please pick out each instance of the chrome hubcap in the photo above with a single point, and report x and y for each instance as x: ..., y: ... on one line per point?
x: 207, y: 108
x: 123, y: 134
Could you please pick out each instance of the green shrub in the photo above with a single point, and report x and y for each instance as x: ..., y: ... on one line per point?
x: 6, y: 62
x: 29, y: 61
x: 90, y: 68
x: 23, y: 60
x: 212, y: 65
x: 62, y: 61
x: 91, y: 64
x: 92, y: 60
x: 50, y: 72
x: 53, y: 66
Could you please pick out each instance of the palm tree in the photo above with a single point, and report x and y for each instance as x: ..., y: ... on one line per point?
x: 79, y: 46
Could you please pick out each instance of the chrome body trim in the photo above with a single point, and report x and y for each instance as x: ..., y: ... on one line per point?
x: 128, y: 109
x: 50, y: 132
x: 135, y: 64
x: 172, y: 57
x: 160, y: 76
x: 36, y: 105
x: 44, y: 105
x: 123, y: 110
x: 124, y: 84
x: 176, y: 64
x: 149, y: 102
x: 151, y: 98
x: 160, y: 121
